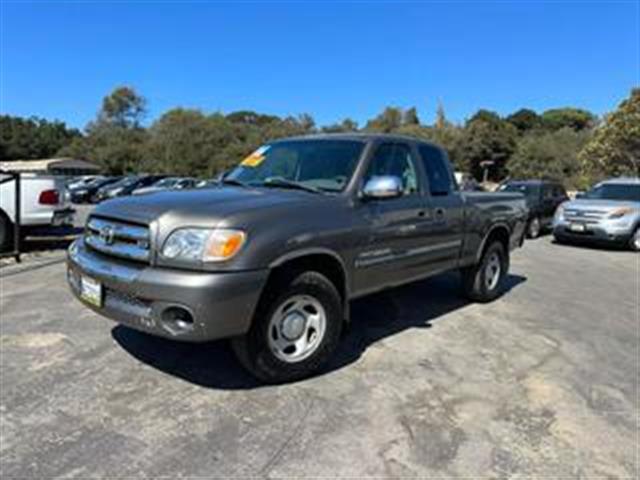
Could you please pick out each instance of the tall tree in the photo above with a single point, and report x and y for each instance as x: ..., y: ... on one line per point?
x: 488, y: 140
x: 615, y: 146
x: 32, y: 138
x: 116, y: 139
x: 123, y: 107
x: 347, y: 125
x: 525, y: 120
x: 441, y: 118
x: 549, y: 155
x: 388, y: 121
x: 575, y: 118
x: 410, y: 117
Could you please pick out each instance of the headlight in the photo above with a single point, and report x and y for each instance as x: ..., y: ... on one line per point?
x: 559, y: 214
x: 620, y: 212
x: 200, y: 244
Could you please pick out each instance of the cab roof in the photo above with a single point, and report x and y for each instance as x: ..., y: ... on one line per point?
x: 359, y: 137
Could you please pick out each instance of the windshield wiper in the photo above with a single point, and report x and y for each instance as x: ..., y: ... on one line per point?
x: 233, y: 181
x: 279, y: 182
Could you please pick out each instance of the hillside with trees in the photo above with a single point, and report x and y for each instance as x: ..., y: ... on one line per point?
x: 567, y: 143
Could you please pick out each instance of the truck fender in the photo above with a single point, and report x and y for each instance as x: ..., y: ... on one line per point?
x: 494, y: 227
x: 305, y: 252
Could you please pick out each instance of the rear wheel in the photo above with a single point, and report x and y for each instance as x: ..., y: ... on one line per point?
x: 484, y: 282
x: 6, y: 233
x: 534, y: 228
x: 295, y: 330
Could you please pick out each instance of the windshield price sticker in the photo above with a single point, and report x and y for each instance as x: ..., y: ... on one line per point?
x: 256, y: 158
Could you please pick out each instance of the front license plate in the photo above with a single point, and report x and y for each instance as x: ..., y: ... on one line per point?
x: 91, y: 291
x: 577, y: 227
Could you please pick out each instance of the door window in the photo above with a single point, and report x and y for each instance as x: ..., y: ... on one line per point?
x: 394, y: 159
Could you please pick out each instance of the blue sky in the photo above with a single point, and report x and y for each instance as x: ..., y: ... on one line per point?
x: 331, y: 59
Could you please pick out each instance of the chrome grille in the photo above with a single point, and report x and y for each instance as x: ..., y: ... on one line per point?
x: 117, y: 238
x: 583, y: 216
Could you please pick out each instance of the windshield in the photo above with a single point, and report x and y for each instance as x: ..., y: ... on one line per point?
x: 125, y: 182
x: 320, y: 164
x: 528, y: 190
x: 615, y: 191
x: 166, y: 182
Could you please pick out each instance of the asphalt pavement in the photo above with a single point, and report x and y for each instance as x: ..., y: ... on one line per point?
x: 542, y: 382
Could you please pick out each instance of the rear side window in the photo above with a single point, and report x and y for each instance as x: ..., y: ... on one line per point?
x: 436, y: 166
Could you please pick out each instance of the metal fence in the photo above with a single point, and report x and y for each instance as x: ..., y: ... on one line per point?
x: 6, y: 177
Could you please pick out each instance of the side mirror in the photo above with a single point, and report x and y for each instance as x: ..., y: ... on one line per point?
x: 383, y: 187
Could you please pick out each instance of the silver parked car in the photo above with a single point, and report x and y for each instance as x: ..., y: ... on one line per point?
x: 608, y: 213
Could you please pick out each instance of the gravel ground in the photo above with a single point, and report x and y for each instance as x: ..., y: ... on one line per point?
x: 541, y: 383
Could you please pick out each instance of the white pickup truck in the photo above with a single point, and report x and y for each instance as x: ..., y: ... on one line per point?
x: 42, y: 204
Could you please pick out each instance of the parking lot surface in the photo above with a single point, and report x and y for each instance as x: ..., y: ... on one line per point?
x: 541, y: 383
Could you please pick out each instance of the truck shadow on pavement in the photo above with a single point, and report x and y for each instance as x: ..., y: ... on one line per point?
x: 373, y: 318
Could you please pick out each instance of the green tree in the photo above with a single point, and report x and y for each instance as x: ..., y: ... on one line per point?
x: 347, y: 125
x: 123, y: 107
x: 410, y: 117
x: 525, y: 120
x: 32, y: 138
x: 184, y: 142
x: 575, y: 118
x: 116, y: 140
x: 487, y: 138
x: 615, y: 146
x: 388, y: 121
x: 549, y: 155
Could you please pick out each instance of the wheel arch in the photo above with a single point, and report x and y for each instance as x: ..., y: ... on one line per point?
x: 322, y: 260
x: 499, y: 231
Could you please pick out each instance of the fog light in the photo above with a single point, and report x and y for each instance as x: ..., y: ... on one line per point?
x: 177, y: 319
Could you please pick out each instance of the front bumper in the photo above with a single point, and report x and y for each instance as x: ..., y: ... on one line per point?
x: 594, y: 233
x: 221, y: 305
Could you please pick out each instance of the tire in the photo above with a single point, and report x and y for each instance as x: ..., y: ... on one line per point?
x: 475, y: 279
x: 534, y: 227
x: 6, y: 234
x: 634, y: 241
x: 288, y: 308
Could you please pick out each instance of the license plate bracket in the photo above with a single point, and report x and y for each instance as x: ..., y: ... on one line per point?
x: 91, y: 291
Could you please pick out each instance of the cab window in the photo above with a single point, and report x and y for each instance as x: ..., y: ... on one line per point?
x: 441, y: 182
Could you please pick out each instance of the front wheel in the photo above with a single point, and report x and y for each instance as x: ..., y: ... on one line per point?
x: 295, y: 330
x: 484, y: 282
x: 634, y: 242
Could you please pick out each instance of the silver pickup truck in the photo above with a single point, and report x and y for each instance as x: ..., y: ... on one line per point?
x: 273, y: 254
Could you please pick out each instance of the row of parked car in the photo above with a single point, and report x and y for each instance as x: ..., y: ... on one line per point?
x: 607, y: 213
x: 95, y: 189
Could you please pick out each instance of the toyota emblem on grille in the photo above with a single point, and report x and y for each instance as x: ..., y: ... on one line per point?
x: 107, y: 235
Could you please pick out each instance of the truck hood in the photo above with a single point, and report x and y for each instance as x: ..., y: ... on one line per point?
x: 202, y: 207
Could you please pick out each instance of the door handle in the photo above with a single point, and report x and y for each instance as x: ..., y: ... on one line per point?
x: 439, y: 212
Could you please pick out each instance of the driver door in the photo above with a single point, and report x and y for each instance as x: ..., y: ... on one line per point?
x: 397, y: 226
